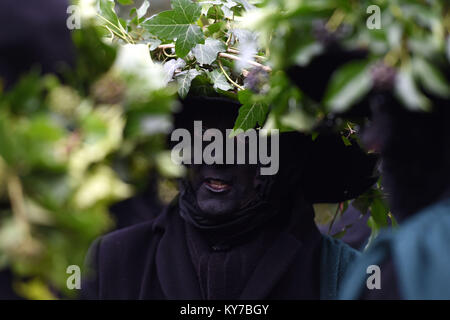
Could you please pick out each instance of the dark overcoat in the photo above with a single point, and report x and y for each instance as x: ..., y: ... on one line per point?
x: 151, y: 260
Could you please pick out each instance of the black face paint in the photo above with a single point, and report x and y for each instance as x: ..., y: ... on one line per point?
x: 223, y: 189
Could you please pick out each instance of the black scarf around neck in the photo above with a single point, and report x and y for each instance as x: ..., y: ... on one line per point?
x: 225, y: 253
x: 224, y: 230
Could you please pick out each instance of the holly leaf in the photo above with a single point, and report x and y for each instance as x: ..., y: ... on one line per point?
x: 178, y: 24
x: 184, y: 80
x: 207, y: 53
x: 251, y: 113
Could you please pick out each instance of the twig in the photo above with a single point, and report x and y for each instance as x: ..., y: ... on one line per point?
x: 121, y: 30
x: 166, y: 46
x: 168, y: 55
x: 334, y: 218
x: 335, y: 21
x: 253, y: 63
x: 235, y: 51
x: 116, y: 34
x: 228, y: 56
x: 228, y: 77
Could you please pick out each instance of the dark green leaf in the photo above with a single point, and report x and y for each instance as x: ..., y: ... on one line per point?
x: 184, y: 80
x: 207, y: 53
x: 347, y: 85
x: 251, y: 112
x: 219, y: 80
x: 178, y: 24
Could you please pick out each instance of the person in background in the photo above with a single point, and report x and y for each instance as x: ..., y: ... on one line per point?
x: 33, y: 36
x: 415, y: 150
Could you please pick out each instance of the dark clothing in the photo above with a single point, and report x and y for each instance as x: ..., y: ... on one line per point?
x: 6, y: 290
x: 155, y: 260
x: 389, y: 284
x: 33, y: 33
x: 137, y: 209
x: 226, y: 254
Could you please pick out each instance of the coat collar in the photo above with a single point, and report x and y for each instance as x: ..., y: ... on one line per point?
x: 173, y: 264
x: 177, y: 275
x: 274, y: 263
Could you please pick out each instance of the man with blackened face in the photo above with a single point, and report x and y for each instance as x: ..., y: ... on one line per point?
x: 242, y: 226
x: 221, y: 190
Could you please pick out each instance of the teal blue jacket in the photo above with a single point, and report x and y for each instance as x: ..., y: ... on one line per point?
x: 336, y: 258
x: 420, y: 251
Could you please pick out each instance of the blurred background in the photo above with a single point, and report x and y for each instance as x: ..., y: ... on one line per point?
x: 84, y: 118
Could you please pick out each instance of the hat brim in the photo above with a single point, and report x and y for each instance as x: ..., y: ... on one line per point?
x: 334, y: 172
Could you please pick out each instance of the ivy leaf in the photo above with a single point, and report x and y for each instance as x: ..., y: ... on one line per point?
x: 227, y: 12
x: 247, y: 6
x: 206, y: 5
x: 307, y: 52
x: 379, y: 212
x: 251, y: 112
x: 106, y: 9
x: 140, y: 12
x: 374, y: 233
x: 143, y: 9
x: 153, y: 44
x: 216, y: 27
x: 184, y: 80
x: 407, y: 91
x: 170, y: 67
x: 219, y: 81
x: 178, y: 24
x: 227, y: 8
x: 207, y: 53
x: 430, y: 77
x: 347, y: 86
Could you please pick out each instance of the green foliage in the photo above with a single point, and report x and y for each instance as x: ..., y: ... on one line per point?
x: 412, y: 39
x: 71, y: 149
x: 251, y: 112
x: 347, y: 85
x: 200, y: 44
x: 179, y: 24
x: 207, y: 53
x: 412, y: 44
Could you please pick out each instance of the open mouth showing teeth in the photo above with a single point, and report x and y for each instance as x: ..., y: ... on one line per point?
x: 216, y: 185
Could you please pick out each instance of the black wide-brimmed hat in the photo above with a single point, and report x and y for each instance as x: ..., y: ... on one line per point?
x: 331, y: 172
